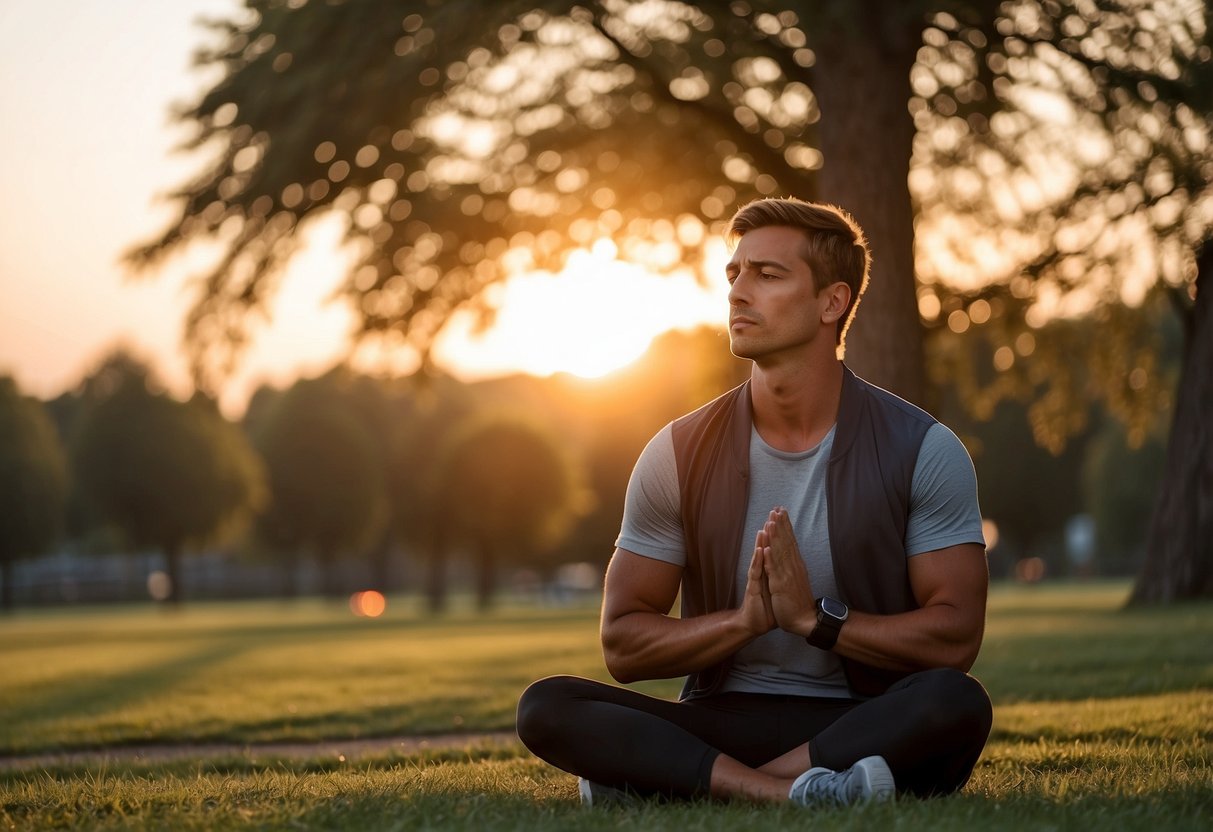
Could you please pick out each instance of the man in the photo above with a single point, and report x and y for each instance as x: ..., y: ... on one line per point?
x: 826, y: 540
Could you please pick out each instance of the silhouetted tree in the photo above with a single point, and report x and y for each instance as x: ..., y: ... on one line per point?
x: 461, y: 152
x: 167, y: 474
x: 1090, y: 164
x: 458, y: 153
x: 507, y: 489
x: 33, y: 483
x: 1120, y: 484
x: 437, y: 407
x: 325, y: 478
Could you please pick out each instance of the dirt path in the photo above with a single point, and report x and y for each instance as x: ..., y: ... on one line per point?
x: 343, y: 750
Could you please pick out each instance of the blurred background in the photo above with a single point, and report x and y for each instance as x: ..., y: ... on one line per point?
x: 348, y: 298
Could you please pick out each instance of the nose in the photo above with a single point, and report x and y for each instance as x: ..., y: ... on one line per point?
x: 738, y: 293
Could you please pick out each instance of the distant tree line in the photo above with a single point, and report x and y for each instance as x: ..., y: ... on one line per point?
x: 517, y: 472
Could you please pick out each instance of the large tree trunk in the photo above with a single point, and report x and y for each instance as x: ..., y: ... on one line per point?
x: 866, y: 135
x: 1179, y: 552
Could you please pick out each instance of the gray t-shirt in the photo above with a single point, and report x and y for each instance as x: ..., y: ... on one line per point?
x: 943, y: 512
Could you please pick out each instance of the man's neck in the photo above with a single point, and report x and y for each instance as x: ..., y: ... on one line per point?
x: 795, y: 404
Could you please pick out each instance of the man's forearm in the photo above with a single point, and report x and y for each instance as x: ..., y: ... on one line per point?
x: 648, y: 645
x: 936, y: 636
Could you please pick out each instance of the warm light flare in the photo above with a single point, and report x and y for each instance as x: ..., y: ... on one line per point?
x: 598, y: 315
x: 368, y: 604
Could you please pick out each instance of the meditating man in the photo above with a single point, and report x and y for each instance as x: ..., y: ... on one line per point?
x: 827, y: 543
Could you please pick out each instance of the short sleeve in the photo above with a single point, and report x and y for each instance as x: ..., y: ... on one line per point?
x: 943, y: 495
x: 652, y: 521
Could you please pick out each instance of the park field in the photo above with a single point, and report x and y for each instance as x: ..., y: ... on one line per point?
x: 1103, y: 719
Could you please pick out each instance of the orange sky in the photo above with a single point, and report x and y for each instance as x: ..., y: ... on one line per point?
x: 86, y: 149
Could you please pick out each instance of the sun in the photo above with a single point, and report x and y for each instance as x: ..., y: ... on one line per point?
x: 598, y: 315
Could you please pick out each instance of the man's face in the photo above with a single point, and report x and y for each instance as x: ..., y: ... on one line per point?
x: 774, y: 306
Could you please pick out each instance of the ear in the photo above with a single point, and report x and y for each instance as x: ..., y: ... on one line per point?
x: 834, y: 299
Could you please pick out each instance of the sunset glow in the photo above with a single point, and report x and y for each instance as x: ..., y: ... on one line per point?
x: 596, y: 316
x: 66, y: 299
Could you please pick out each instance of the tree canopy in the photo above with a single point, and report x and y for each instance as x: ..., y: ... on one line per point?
x: 167, y: 474
x: 326, y: 476
x: 507, y: 489
x: 33, y: 482
x: 1024, y: 158
x: 1043, y: 131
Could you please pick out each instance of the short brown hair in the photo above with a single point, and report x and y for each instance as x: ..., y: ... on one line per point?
x: 835, y: 247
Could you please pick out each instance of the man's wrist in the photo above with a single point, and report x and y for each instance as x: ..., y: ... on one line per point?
x: 805, y: 625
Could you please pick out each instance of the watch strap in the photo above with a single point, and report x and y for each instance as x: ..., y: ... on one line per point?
x: 825, y: 635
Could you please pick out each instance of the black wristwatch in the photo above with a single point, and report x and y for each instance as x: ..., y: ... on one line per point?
x: 831, y: 614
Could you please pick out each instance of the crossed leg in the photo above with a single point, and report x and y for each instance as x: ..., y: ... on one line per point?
x: 930, y: 727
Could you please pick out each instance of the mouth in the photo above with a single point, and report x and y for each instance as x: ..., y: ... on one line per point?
x: 741, y: 322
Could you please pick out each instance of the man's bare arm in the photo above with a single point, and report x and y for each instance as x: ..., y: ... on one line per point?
x: 950, y: 586
x: 641, y: 641
x: 946, y: 630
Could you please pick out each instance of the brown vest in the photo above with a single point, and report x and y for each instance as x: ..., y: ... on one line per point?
x: 871, y: 466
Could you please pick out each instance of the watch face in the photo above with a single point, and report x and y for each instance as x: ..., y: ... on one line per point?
x: 834, y: 608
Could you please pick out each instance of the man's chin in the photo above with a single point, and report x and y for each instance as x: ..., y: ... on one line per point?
x: 742, y: 350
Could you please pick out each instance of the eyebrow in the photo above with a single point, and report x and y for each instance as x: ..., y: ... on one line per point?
x: 732, y: 266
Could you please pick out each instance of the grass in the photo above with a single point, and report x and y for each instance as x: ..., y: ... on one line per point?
x: 1103, y: 720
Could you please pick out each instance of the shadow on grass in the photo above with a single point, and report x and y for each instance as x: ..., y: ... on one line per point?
x: 110, y: 692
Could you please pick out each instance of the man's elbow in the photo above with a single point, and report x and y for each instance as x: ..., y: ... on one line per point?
x: 963, y: 655
x: 621, y: 671
x: 620, y: 661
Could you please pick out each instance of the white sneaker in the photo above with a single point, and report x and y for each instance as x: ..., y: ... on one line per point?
x: 869, y: 780
x: 596, y: 794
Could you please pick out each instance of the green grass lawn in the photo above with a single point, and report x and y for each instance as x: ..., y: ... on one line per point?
x: 1103, y: 719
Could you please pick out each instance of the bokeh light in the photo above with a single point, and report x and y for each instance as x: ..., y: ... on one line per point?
x: 368, y: 604
x: 1030, y: 570
x: 159, y: 585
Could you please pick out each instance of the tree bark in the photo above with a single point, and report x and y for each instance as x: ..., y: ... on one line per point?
x: 1179, y: 552
x: 866, y: 138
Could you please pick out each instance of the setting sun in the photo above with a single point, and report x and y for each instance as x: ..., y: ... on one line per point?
x: 596, y: 316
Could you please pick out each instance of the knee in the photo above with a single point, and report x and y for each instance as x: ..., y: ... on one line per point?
x: 540, y: 708
x: 956, y: 701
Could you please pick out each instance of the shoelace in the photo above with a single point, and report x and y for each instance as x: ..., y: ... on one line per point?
x: 828, y: 785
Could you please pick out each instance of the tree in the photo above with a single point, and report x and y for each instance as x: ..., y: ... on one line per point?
x: 458, y: 153
x: 1093, y: 171
x: 33, y: 483
x: 509, y: 490
x: 1179, y: 558
x: 1120, y: 484
x: 438, y: 406
x: 168, y: 474
x: 325, y: 479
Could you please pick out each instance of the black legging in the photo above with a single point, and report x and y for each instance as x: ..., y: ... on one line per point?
x: 930, y: 727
